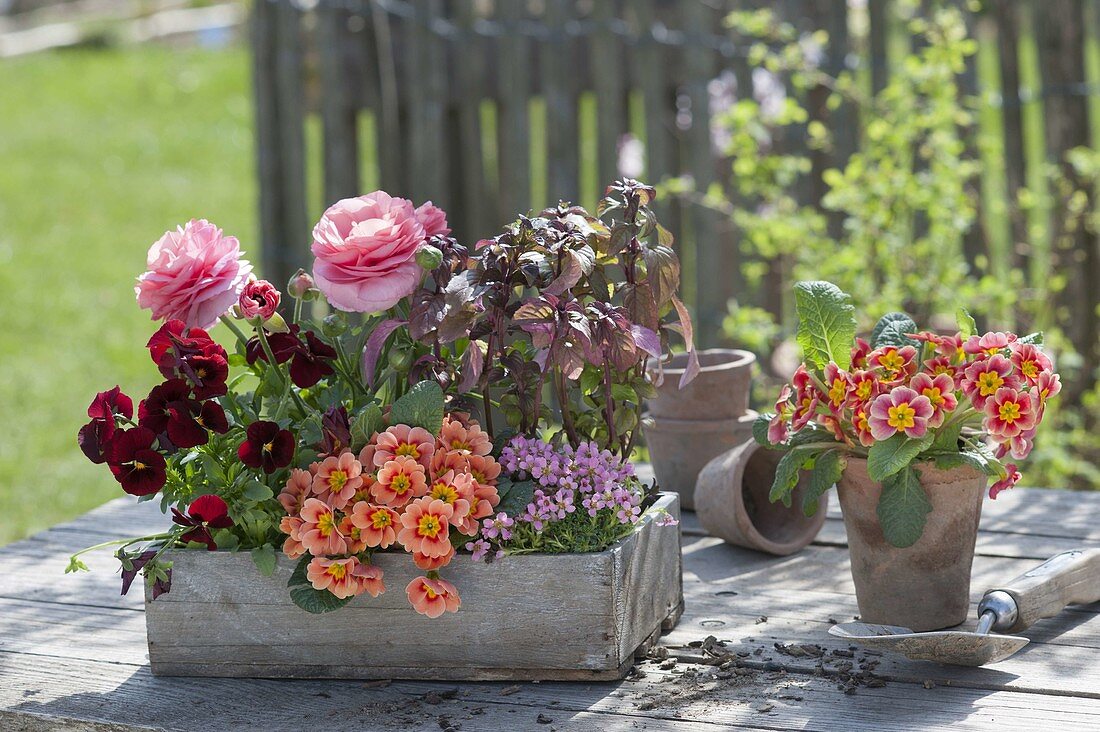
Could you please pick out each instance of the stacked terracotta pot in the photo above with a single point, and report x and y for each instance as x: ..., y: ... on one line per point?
x: 689, y: 427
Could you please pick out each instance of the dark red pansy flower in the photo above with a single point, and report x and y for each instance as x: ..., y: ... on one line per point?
x: 204, y: 513
x: 309, y: 364
x: 267, y: 446
x: 170, y: 409
x: 283, y: 346
x: 137, y: 563
x: 155, y: 411
x: 174, y: 342
x: 207, y: 374
x: 93, y: 437
x: 212, y: 417
x: 109, y: 403
x: 138, y: 468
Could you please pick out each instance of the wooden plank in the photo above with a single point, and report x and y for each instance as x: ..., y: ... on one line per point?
x: 607, y: 81
x: 878, y: 13
x: 339, y: 111
x: 392, y: 168
x: 267, y: 135
x: 513, y: 120
x: 651, y: 63
x: 562, y: 129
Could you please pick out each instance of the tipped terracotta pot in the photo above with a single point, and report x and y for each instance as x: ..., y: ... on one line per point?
x: 925, y: 586
x: 731, y: 498
x: 680, y: 448
x: 719, y: 391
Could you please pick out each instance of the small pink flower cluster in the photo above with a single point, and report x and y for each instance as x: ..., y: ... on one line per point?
x: 588, y: 478
x: 406, y: 487
x: 908, y: 390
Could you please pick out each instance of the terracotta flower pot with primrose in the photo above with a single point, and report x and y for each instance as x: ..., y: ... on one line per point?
x: 910, y: 427
x: 731, y: 498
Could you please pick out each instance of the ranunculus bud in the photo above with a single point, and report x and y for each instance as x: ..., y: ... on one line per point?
x: 259, y: 299
x: 429, y: 257
x: 301, y: 285
x: 334, y: 325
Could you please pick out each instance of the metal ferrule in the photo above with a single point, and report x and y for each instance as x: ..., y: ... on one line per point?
x: 1002, y: 612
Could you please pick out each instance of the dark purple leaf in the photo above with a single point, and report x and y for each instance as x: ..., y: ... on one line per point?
x: 373, y: 348
x: 473, y: 360
x: 692, y: 369
x: 647, y: 340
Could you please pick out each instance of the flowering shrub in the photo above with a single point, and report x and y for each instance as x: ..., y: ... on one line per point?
x: 906, y: 396
x: 338, y: 439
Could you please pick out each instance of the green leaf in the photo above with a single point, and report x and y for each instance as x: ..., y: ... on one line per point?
x: 309, y: 599
x: 519, y: 495
x: 213, y: 469
x: 958, y: 459
x: 256, y: 491
x: 624, y: 393
x: 422, y: 406
x: 591, y: 379
x: 947, y: 440
x: 826, y: 324
x: 786, y: 474
x: 264, y: 559
x: 967, y: 326
x: 226, y: 540
x: 889, y: 456
x: 827, y: 471
x: 366, y: 423
x: 903, y: 508
x: 760, y: 429
x: 1035, y: 339
x: 237, y: 359
x: 891, y: 329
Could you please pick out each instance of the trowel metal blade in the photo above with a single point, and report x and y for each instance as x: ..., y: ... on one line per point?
x: 956, y: 647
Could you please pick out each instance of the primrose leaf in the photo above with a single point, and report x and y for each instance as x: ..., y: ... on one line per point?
x: 903, y: 508
x: 826, y: 323
x: 887, y: 457
x: 965, y: 321
x: 827, y: 471
x: 891, y: 330
x: 309, y: 599
x: 421, y: 406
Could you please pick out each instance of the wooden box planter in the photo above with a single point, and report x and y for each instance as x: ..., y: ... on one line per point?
x: 537, y: 616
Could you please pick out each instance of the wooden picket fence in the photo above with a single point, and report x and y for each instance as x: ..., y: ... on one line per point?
x: 492, y: 107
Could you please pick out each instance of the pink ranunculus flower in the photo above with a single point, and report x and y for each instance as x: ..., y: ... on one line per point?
x: 433, y: 219
x: 194, y: 274
x: 900, y: 410
x: 366, y: 252
x: 259, y: 299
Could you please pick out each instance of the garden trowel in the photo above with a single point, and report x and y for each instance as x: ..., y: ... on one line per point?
x: 1069, y: 578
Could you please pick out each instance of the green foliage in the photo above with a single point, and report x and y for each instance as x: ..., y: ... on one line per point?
x: 828, y: 468
x: 786, y: 473
x: 903, y: 508
x: 826, y: 323
x: 264, y: 558
x: 887, y: 457
x: 421, y: 406
x: 890, y: 330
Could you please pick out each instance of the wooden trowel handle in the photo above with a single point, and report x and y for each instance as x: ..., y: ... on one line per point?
x: 1069, y: 578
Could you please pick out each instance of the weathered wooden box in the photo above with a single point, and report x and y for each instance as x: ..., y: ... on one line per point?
x: 538, y: 616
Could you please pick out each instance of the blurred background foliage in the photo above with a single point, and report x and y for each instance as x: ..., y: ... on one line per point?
x: 136, y: 126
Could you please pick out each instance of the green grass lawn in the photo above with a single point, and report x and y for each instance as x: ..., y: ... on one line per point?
x: 100, y: 153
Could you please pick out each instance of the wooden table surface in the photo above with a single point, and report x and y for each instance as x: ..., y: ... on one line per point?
x: 73, y: 653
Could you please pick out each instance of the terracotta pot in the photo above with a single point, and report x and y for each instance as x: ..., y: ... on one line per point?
x: 925, y: 586
x: 731, y: 498
x: 680, y: 448
x: 719, y: 391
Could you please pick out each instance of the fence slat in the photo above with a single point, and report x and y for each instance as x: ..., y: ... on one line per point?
x: 563, y: 149
x: 878, y: 14
x: 974, y: 239
x: 1005, y: 14
x: 607, y: 80
x: 1059, y: 35
x: 339, y: 109
x: 652, y: 78
x: 469, y: 186
x: 716, y: 260
x: 513, y: 120
x: 392, y: 172
x: 262, y: 27
x: 290, y: 250
x: 425, y: 74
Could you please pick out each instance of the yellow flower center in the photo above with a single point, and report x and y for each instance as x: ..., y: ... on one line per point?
x: 934, y: 395
x: 1009, y: 412
x: 942, y: 368
x: 891, y: 361
x: 837, y: 391
x: 444, y: 492
x: 326, y: 523
x: 428, y: 526
x: 337, y: 571
x: 380, y: 519
x: 408, y: 449
x: 138, y: 465
x: 863, y: 390
x: 430, y: 592
x: 901, y: 417
x: 460, y: 445
x: 992, y: 351
x: 862, y: 422
x: 337, y: 479
x: 1030, y: 369
x: 989, y: 382
x: 400, y: 484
